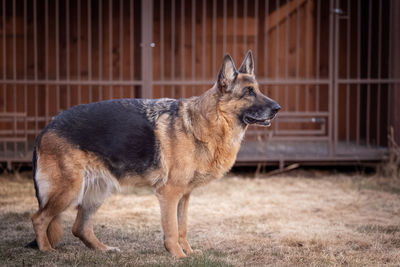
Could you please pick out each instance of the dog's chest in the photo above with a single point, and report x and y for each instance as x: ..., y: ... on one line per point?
x: 213, y: 162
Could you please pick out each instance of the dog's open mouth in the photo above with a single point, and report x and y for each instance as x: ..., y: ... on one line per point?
x: 263, y: 122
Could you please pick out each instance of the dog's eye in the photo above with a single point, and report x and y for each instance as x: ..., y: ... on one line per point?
x: 250, y: 91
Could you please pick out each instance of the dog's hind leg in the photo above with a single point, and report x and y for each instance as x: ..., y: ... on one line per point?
x: 46, y: 221
x: 55, y: 231
x: 57, y: 190
x: 98, y: 185
x: 83, y: 228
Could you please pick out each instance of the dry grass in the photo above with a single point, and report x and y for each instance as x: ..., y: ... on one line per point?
x: 285, y: 220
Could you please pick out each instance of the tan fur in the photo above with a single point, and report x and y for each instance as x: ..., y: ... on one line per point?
x: 55, y: 231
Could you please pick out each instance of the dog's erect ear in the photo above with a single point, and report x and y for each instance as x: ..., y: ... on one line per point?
x: 247, y: 64
x: 227, y: 74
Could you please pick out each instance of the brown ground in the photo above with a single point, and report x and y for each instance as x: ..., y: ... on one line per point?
x: 287, y: 220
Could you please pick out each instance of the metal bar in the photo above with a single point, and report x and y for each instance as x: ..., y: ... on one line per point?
x: 390, y: 70
x: 147, y: 53
x: 335, y: 77
x: 378, y: 108
x: 348, y: 41
x: 162, y: 46
x: 245, y: 26
x: 35, y: 56
x: 110, y: 48
x: 308, y: 54
x: 173, y: 45
x: 193, y: 42
x: 68, y: 68
x: 11, y: 115
x: 358, y: 119
x: 132, y: 39
x: 89, y: 29
x: 266, y: 38
x: 73, y: 82
x: 79, y: 50
x: 331, y: 77
x: 277, y: 42
x: 58, y: 98
x: 182, y: 46
x: 203, y: 48
x: 369, y: 74
x: 4, y: 56
x: 300, y: 132
x: 14, y: 55
x: 214, y: 36
x: 286, y: 58
x: 297, y: 53
x: 256, y: 6
x: 235, y: 14
x: 303, y: 114
x: 167, y: 82
x: 260, y: 81
x: 25, y: 73
x: 318, y: 44
x: 121, y: 47
x: 46, y: 56
x: 224, y: 26
x: 100, y: 41
x: 300, y: 138
x: 14, y: 67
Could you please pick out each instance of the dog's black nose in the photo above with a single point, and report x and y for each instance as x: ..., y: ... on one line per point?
x: 275, y: 108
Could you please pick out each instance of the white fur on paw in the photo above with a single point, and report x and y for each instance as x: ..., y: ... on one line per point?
x: 113, y: 249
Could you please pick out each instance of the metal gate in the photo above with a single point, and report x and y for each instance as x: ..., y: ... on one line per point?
x: 328, y: 63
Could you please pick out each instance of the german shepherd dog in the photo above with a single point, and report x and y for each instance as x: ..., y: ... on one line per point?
x: 171, y: 145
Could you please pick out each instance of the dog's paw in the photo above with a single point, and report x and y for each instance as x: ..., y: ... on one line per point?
x: 197, y: 252
x: 47, y: 249
x: 112, y: 249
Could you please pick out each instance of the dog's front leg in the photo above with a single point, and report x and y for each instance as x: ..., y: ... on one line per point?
x: 169, y: 196
x: 182, y: 223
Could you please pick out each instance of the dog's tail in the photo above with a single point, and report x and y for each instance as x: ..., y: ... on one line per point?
x: 33, y: 244
x: 34, y: 166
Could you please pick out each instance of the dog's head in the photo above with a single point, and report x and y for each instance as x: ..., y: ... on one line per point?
x: 240, y: 94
